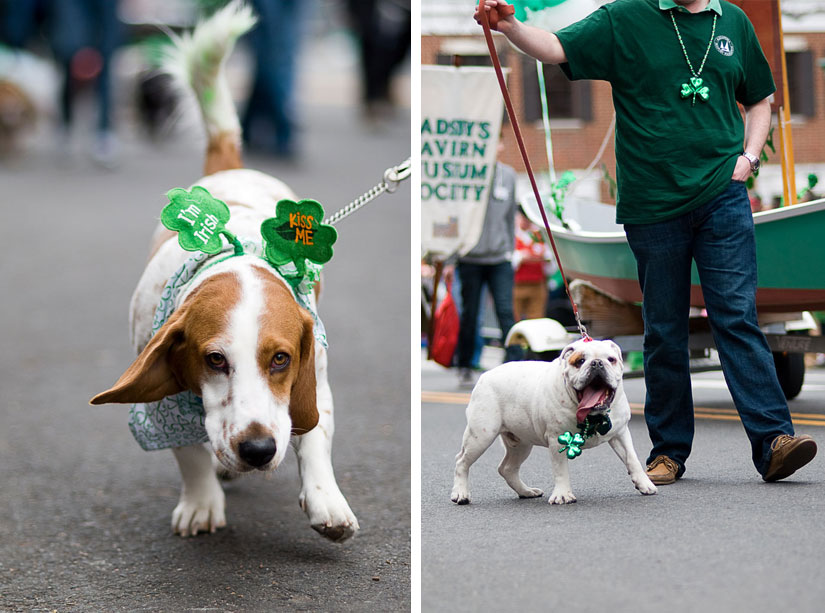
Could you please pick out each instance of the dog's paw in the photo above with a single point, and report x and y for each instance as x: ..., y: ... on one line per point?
x: 645, y: 486
x: 329, y: 514
x: 203, y: 513
x: 561, y: 497
x: 531, y: 492
x: 460, y: 496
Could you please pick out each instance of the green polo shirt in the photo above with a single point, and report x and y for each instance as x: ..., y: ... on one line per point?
x: 672, y: 154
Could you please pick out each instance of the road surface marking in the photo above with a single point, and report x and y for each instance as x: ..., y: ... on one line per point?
x: 802, y: 419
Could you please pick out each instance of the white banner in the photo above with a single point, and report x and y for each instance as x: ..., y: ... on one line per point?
x: 461, y: 113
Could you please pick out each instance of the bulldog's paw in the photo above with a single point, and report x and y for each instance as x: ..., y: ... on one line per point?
x: 329, y: 514
x: 199, y: 512
x: 460, y: 495
x: 645, y: 486
x: 530, y: 492
x: 561, y: 497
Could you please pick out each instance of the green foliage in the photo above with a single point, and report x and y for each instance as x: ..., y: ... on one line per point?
x: 611, y: 182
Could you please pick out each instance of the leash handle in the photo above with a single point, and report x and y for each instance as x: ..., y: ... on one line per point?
x: 511, y: 113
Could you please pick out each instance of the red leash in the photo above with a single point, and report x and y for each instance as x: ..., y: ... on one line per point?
x: 488, y: 35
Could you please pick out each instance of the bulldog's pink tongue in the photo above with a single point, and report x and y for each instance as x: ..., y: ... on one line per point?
x: 590, y: 397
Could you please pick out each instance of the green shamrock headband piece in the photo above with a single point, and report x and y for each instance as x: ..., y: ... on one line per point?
x: 295, y: 234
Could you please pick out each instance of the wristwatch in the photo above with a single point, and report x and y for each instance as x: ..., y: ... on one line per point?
x: 754, y: 162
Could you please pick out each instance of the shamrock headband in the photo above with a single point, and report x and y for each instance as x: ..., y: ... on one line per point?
x: 295, y: 234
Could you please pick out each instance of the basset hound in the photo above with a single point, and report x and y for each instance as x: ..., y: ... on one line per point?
x: 231, y: 366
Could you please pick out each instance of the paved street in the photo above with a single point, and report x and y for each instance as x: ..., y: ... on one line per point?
x: 720, y: 539
x: 84, y: 512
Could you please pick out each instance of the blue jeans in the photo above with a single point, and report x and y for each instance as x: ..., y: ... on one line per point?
x: 499, y: 280
x: 719, y: 236
x: 270, y: 117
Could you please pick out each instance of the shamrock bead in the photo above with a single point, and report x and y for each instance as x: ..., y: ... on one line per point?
x: 695, y: 88
x: 572, y: 443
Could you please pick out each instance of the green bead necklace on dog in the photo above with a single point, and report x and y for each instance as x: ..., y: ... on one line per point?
x: 695, y: 86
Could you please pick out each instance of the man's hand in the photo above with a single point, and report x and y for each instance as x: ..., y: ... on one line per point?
x: 742, y: 170
x: 499, y: 13
x: 540, y: 44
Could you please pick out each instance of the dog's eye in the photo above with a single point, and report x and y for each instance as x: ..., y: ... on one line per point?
x: 279, y: 361
x: 216, y: 361
x: 611, y: 360
x: 578, y: 363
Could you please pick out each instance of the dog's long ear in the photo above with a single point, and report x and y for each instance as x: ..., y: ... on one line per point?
x: 150, y: 377
x: 303, y: 409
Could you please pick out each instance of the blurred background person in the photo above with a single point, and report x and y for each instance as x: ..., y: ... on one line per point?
x: 383, y: 28
x: 488, y: 263
x: 269, y: 122
x: 82, y: 36
x: 530, y: 262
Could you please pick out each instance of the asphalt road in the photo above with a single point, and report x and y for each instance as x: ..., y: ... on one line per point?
x: 84, y: 512
x: 720, y: 539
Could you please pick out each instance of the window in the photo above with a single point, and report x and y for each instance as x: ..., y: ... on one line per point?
x: 565, y: 99
x: 801, y: 82
x: 449, y: 59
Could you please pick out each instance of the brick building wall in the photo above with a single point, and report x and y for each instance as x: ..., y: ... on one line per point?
x: 809, y: 132
x: 575, y: 142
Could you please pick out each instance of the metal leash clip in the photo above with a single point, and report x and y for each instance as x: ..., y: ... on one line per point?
x: 395, y: 175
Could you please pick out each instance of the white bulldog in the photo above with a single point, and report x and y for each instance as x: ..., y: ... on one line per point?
x: 533, y: 403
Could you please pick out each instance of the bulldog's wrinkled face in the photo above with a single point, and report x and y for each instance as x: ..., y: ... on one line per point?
x: 593, y: 371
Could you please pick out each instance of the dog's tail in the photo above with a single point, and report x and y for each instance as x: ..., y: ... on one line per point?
x: 197, y: 63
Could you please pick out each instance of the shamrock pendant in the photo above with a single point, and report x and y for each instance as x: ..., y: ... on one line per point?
x: 572, y: 443
x: 695, y: 88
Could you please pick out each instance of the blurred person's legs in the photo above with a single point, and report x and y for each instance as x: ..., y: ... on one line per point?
x: 529, y: 300
x: 384, y: 31
x: 270, y: 119
x: 68, y: 33
x: 84, y: 35
x: 106, y: 29
x: 499, y: 279
x: 18, y: 20
x: 472, y: 278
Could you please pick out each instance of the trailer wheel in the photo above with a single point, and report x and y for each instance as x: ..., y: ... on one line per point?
x: 790, y: 369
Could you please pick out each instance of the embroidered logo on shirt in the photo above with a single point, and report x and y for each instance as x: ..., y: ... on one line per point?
x: 723, y: 45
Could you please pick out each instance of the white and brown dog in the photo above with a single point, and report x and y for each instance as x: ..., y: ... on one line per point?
x: 237, y: 337
x: 532, y: 403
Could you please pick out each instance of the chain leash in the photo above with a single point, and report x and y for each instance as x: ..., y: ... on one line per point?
x: 393, y: 176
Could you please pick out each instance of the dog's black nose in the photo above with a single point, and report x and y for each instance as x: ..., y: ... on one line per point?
x: 257, y: 451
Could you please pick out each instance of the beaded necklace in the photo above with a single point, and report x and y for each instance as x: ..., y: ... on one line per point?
x: 694, y: 87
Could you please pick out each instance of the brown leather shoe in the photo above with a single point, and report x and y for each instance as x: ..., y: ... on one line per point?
x: 662, y: 470
x: 789, y: 454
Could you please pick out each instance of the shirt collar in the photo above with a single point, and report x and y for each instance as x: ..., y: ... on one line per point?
x: 713, y: 5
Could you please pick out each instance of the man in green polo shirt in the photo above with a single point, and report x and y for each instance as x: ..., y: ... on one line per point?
x: 678, y: 68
